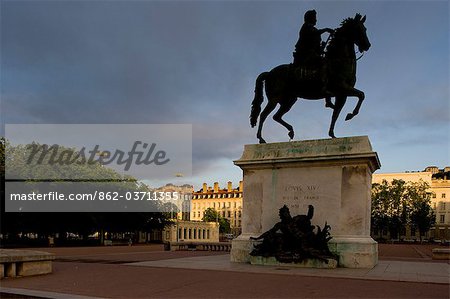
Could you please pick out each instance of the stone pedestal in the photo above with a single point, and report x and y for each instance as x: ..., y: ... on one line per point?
x: 333, y: 175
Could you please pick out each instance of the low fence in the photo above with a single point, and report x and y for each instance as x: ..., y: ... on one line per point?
x: 216, y: 246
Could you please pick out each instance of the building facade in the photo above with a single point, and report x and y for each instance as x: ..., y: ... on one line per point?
x: 439, y: 182
x: 227, y: 202
x: 180, y: 208
x: 191, y: 231
x: 440, y: 201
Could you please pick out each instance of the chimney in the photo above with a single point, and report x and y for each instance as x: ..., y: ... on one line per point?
x: 205, y: 187
x: 216, y: 187
x: 230, y: 186
x: 241, y: 186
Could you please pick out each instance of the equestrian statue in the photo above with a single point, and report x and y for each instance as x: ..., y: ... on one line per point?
x: 320, y: 71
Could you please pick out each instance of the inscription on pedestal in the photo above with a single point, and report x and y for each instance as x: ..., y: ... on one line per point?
x: 296, y: 196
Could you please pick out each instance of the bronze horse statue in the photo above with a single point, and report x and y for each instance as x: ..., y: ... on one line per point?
x: 283, y: 87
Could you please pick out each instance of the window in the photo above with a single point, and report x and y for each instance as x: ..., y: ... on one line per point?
x: 442, y: 205
x: 229, y: 214
x: 434, y: 195
x: 442, y: 219
x: 443, y: 195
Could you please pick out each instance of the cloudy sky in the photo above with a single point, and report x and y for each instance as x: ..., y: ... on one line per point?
x: 195, y: 62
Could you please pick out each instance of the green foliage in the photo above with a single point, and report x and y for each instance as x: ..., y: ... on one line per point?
x: 423, y: 217
x: 211, y: 215
x: 80, y: 223
x: 399, y: 203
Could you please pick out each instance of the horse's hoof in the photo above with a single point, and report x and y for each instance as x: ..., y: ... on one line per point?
x: 261, y: 141
x: 291, y: 134
x: 331, y: 134
x: 349, y: 116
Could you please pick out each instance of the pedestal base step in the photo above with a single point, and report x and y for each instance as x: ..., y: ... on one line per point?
x: 309, y: 263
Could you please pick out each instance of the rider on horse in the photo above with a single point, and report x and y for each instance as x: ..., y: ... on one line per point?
x: 283, y: 86
x: 308, y: 56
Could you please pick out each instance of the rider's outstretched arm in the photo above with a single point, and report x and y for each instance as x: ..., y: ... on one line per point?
x: 329, y: 30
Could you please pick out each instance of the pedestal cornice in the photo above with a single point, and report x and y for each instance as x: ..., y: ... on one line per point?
x: 335, y: 151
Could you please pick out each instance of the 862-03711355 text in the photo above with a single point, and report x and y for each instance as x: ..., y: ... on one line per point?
x: 100, y: 195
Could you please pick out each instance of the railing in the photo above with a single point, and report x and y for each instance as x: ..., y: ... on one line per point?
x: 217, y: 246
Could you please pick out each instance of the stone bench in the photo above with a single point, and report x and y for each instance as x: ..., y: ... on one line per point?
x: 441, y: 253
x: 15, y: 262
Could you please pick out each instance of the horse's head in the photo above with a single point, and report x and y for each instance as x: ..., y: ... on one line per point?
x: 356, y: 31
x: 359, y: 33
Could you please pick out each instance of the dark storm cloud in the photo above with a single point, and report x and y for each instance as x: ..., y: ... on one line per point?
x: 108, y: 62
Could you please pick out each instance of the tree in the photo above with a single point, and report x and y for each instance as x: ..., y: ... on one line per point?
x: 389, y: 207
x: 84, y: 224
x: 398, y: 203
x: 422, y: 215
x: 211, y: 215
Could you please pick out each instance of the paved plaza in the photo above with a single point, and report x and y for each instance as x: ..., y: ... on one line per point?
x: 404, y: 271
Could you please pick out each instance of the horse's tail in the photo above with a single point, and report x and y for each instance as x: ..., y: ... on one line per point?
x: 259, y: 98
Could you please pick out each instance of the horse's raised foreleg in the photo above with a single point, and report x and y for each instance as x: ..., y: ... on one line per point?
x: 285, y: 106
x: 267, y: 110
x: 360, y: 95
x: 338, y: 105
